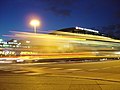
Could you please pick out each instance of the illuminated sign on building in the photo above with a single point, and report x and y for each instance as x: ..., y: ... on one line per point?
x: 87, y: 29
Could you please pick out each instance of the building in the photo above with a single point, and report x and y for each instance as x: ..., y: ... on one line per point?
x: 78, y: 30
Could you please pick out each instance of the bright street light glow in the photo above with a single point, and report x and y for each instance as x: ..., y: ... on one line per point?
x: 35, y: 23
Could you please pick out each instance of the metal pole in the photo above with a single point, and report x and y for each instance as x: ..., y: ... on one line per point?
x: 35, y: 29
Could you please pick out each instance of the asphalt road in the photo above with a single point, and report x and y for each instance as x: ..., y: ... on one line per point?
x: 61, y: 76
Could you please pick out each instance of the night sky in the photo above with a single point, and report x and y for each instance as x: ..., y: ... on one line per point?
x: 56, y: 14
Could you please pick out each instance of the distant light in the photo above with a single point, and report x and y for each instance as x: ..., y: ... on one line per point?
x: 117, y: 52
x: 27, y: 41
x: 4, y: 42
x: 19, y: 60
x: 19, y: 43
x: 14, y: 40
x: 112, y: 47
x: 17, y: 46
x: 1, y: 40
x: 77, y: 27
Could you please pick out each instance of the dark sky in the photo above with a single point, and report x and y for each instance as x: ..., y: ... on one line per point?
x: 57, y: 14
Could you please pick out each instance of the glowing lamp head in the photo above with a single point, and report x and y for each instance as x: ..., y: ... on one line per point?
x: 35, y: 23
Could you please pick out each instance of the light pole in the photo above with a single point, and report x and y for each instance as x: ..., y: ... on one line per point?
x: 35, y: 23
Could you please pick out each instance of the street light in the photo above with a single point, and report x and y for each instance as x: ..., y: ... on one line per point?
x: 35, y: 23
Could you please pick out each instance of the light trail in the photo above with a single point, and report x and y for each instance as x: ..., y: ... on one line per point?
x: 65, y: 45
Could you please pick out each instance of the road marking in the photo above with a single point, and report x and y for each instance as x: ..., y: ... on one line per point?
x: 106, y: 68
x: 32, y: 74
x: 20, y: 71
x: 44, y: 67
x: 7, y: 70
x: 74, y: 69
x: 57, y: 68
x: 10, y: 69
x: 93, y: 69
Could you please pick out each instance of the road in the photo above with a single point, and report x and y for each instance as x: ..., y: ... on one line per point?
x: 61, y: 76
